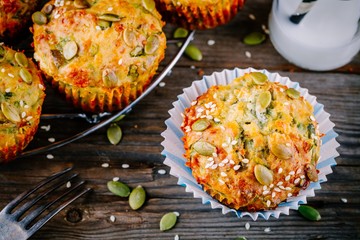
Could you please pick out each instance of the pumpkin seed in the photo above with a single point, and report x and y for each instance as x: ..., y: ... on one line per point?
x: 263, y: 175
x: 2, y: 52
x: 94, y: 49
x: 193, y: 52
x: 70, y: 49
x: 204, y: 148
x: 137, y: 51
x: 180, y: 33
x: 168, y: 221
x: 25, y: 75
x: 10, y: 112
x: 311, y: 172
x: 152, y: 44
x: 58, y: 58
x: 200, y: 125
x: 258, y: 77
x: 103, y: 24
x: 149, y: 5
x: 291, y: 92
x: 21, y: 59
x: 119, y: 118
x: 133, y: 71
x: 47, y: 9
x: 309, y: 213
x: 114, y: 134
x: 129, y: 37
x: 281, y: 150
x: 81, y: 4
x: 137, y: 197
x: 39, y: 18
x: 110, y: 17
x: 118, y: 188
x: 264, y: 99
x: 254, y: 38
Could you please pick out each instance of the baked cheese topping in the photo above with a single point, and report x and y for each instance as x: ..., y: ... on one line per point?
x: 21, y: 98
x: 253, y: 143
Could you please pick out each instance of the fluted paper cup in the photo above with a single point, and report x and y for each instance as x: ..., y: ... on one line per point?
x: 174, y: 149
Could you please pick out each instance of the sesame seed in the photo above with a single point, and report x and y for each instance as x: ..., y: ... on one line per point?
x: 214, y: 154
x: 273, y: 194
x: 302, y: 176
x: 41, y: 87
x: 247, y: 226
x: 287, y: 178
x: 162, y: 171
x: 57, y: 15
x: 268, y: 203
x: 282, y: 187
x: 176, y: 237
x: 3, y: 70
x: 267, y: 229
x: 221, y: 164
x: 216, y: 120
x: 296, y: 181
x: 209, y: 117
x: 225, y: 161
x: 279, y: 183
x: 7, y: 90
x: 231, y: 162
x: 224, y: 145
x: 221, y: 181
x: 312, y: 118
x: 162, y: 84
x: 298, y: 171
x: 288, y: 188
x: 110, y: 9
x: 199, y: 110
x: 120, y: 61
x: 112, y: 218
x: 289, y: 194
x: 266, y: 192
x: 265, y: 187
x: 115, y: 179
x: 234, y: 142
x: 211, y: 42
x: 245, y: 160
x: 23, y: 114
x: 29, y: 118
x: 11, y: 75
x: 105, y: 165
x: 26, y: 106
x: 68, y: 184
x: 215, y: 95
x: 98, y: 28
x: 222, y: 128
x: 252, y: 16
x: 21, y: 103
x: 271, y: 186
x: 288, y: 144
x: 177, y: 214
x: 292, y: 173
x: 51, y: 140
x: 236, y: 167
x: 210, y: 159
x: 46, y: 128
x: 50, y: 156
x: 223, y: 174
x: 193, y: 103
x: 344, y: 200
x: 209, y: 164
x: 192, y: 67
x: 282, y: 90
x: 214, y: 166
x: 247, y: 54
x: 277, y: 189
x: 280, y: 170
x: 125, y: 165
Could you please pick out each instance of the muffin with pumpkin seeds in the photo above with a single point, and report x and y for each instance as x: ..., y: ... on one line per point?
x: 253, y: 143
x: 199, y: 14
x: 15, y: 16
x: 100, y: 54
x: 21, y: 98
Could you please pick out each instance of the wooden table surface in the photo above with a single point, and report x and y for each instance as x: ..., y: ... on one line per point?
x: 338, y: 200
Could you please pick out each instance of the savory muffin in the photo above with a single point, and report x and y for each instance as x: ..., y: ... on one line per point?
x: 194, y: 14
x: 21, y: 98
x: 15, y: 15
x: 253, y: 143
x: 100, y: 54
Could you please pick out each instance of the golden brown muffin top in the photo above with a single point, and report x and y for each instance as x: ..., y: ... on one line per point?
x: 101, y: 44
x: 253, y: 143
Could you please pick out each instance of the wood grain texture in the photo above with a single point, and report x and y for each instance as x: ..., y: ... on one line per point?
x: 338, y: 90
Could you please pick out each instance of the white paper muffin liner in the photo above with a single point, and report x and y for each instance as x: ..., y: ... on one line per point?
x: 174, y: 148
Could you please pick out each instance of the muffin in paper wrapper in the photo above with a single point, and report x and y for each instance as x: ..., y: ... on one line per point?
x: 199, y: 14
x: 174, y: 148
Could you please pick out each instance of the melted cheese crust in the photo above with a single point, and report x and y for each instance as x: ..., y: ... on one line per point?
x: 283, y: 137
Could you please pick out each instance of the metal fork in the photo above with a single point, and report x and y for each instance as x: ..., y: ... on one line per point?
x: 16, y: 219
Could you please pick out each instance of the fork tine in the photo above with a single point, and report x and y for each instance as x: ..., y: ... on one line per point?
x: 31, y: 203
x: 8, y: 208
x: 37, y: 212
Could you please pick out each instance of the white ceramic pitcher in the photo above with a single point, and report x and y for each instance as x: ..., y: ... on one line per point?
x: 317, y: 35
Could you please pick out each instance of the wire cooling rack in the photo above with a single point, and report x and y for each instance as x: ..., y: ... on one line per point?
x: 103, y: 119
